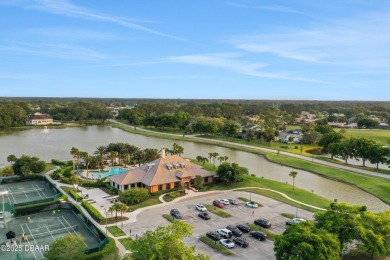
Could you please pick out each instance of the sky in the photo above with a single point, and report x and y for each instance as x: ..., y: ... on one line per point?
x: 206, y: 49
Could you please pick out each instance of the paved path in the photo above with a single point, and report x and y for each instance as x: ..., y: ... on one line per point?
x: 302, y: 157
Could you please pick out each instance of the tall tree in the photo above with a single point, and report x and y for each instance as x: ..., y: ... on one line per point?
x: 304, y: 241
x: 70, y: 246
x: 166, y: 242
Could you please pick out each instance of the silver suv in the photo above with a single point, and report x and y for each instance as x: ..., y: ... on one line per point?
x: 224, y: 232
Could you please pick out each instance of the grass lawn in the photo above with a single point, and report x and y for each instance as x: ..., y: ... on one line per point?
x: 217, y: 211
x: 126, y: 242
x: 172, y: 195
x: 299, y: 194
x: 116, y: 231
x: 216, y: 245
x: 168, y: 217
x: 380, y: 136
x: 288, y: 215
x: 247, y: 200
x: 377, y: 186
x: 270, y: 235
x: 146, y: 203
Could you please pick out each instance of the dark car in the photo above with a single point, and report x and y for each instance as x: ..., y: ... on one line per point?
x: 244, y: 228
x: 176, y: 214
x: 258, y: 235
x: 234, y: 230
x: 262, y: 222
x: 213, y: 235
x: 204, y: 215
x: 240, y: 241
x: 233, y: 201
x: 218, y: 204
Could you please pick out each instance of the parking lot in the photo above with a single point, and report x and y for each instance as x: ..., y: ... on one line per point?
x: 271, y: 210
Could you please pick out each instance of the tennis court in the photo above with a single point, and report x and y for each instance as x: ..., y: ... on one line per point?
x: 43, y: 228
x: 28, y: 191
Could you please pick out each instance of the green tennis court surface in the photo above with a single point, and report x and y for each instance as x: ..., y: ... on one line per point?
x: 44, y: 228
x: 28, y: 191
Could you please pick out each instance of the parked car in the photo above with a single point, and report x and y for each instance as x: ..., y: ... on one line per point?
x: 251, y: 204
x: 234, y: 230
x: 224, y: 201
x: 176, y: 214
x: 225, y: 233
x: 240, y: 241
x: 244, y: 228
x: 204, y: 215
x: 200, y: 207
x: 233, y: 201
x: 227, y: 243
x: 218, y: 204
x: 294, y: 221
x: 262, y: 222
x: 213, y: 235
x: 258, y: 235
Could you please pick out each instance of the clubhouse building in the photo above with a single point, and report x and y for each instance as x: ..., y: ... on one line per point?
x: 161, y: 174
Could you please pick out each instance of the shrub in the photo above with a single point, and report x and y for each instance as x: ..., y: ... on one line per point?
x: 316, y: 151
x: 58, y: 162
x: 33, y: 208
x: 284, y: 146
x: 92, y: 211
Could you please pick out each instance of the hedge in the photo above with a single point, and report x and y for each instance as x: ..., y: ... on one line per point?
x: 93, y: 212
x: 36, y: 207
x: 110, y: 248
x: 71, y: 192
x: 58, y: 162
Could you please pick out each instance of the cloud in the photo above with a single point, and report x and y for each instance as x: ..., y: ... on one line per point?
x: 273, y: 8
x: 230, y: 61
x: 64, y: 51
x: 362, y: 42
x: 66, y: 8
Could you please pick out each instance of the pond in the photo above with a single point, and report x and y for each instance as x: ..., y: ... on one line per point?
x: 57, y: 143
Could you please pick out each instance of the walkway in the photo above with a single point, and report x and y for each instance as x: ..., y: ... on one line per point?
x: 268, y: 150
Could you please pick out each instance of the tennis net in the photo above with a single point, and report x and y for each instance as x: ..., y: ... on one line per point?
x: 27, y: 192
x: 54, y: 232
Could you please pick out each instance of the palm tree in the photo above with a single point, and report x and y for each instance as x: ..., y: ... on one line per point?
x: 204, y: 160
x: 116, y: 207
x: 210, y: 156
x: 11, y: 158
x: 293, y: 174
x: 199, y: 158
x: 112, y: 156
x: 215, y: 155
x: 75, y: 154
x: 221, y: 159
x: 226, y: 158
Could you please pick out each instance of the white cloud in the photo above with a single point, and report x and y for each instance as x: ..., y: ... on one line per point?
x: 66, y: 8
x: 229, y: 61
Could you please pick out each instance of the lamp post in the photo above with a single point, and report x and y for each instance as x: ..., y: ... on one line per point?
x: 76, y: 186
x: 106, y: 213
x: 2, y: 194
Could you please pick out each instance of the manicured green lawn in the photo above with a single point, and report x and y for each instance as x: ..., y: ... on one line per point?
x: 116, y: 231
x: 299, y: 194
x: 217, y: 211
x: 168, y: 217
x: 126, y: 242
x: 380, y: 136
x: 216, y: 245
x: 146, y: 203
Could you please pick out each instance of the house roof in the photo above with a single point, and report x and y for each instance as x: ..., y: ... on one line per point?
x: 39, y: 117
x: 162, y: 170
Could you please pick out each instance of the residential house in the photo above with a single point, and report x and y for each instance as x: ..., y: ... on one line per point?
x: 39, y: 119
x: 246, y: 128
x: 296, y: 136
x: 161, y: 174
x: 336, y: 124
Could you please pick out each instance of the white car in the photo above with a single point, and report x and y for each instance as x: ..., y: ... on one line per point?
x: 224, y: 201
x: 251, y: 204
x: 227, y: 243
x: 294, y: 221
x: 200, y: 207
